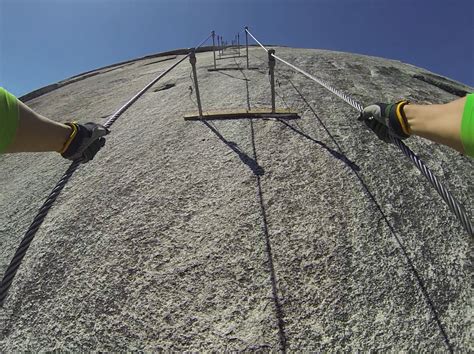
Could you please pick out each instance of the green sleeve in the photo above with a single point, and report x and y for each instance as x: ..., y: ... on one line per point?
x: 467, y: 126
x: 8, y: 118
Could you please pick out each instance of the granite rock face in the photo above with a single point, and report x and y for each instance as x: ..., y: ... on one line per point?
x: 249, y: 234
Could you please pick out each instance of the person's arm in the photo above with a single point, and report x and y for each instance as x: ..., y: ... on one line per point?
x: 23, y: 130
x: 440, y: 123
x: 450, y: 124
x: 36, y: 133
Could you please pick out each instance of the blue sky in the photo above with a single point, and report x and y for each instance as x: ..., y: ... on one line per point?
x: 45, y: 41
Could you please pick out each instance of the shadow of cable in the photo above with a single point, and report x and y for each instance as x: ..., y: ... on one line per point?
x: 228, y: 57
x: 334, y: 153
x: 404, y: 252
x: 232, y: 76
x: 246, y: 84
x: 256, y: 169
x: 268, y: 250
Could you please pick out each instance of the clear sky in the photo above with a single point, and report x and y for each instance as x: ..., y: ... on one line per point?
x: 45, y: 41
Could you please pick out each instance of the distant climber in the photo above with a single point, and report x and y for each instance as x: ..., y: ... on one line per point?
x: 450, y: 124
x: 23, y: 130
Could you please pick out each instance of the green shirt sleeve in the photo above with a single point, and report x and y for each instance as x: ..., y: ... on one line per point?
x: 467, y: 126
x: 8, y: 119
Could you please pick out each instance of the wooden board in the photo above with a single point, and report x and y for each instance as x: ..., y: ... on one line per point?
x: 243, y: 114
x: 232, y: 68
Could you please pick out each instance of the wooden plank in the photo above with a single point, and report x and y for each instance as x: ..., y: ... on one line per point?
x: 231, y: 68
x: 244, y: 114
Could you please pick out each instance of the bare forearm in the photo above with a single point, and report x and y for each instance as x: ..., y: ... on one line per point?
x: 440, y: 123
x: 36, y: 133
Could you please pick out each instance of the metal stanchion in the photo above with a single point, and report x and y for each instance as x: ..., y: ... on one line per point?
x: 271, y: 67
x: 247, y: 45
x: 192, y: 60
x: 238, y: 42
x: 214, y: 47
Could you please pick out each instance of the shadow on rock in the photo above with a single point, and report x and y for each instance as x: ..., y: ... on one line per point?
x: 334, y: 153
x: 251, y: 163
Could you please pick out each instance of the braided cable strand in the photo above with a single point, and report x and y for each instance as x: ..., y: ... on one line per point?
x: 256, y: 40
x: 30, y: 234
x: 454, y: 205
x: 43, y: 211
x: 338, y: 93
x: 117, y: 114
x: 203, y: 41
x: 457, y: 208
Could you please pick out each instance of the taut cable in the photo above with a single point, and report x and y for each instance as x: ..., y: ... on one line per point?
x: 451, y: 201
x: 43, y: 211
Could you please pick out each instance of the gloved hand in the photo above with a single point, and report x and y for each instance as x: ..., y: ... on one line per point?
x: 389, y: 115
x: 85, y: 141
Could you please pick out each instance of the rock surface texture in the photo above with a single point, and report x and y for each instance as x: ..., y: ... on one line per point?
x: 248, y: 234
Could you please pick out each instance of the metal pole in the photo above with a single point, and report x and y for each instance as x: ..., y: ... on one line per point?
x: 271, y: 66
x: 192, y: 60
x: 214, y: 47
x: 247, y: 45
x: 238, y: 42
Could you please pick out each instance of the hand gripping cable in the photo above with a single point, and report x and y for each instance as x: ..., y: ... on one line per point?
x: 453, y: 204
x: 43, y: 211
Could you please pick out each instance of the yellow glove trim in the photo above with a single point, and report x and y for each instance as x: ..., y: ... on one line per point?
x: 401, y: 118
x: 73, y: 125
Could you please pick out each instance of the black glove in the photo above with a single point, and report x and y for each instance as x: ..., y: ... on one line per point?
x: 85, y: 141
x: 389, y: 116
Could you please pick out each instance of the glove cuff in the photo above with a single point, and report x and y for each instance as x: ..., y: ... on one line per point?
x: 402, y: 117
x: 74, y: 141
x: 75, y: 130
x: 397, y: 119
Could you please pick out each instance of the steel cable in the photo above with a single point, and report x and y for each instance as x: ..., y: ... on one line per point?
x: 457, y: 208
x: 43, y: 211
x: 30, y: 233
x: 256, y: 40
